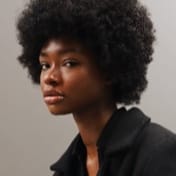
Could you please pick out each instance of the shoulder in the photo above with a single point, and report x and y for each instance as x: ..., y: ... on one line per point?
x: 155, y: 135
x: 157, y: 151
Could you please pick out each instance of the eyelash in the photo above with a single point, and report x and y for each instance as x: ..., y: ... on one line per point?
x: 70, y: 63
x: 67, y: 62
x: 44, y: 66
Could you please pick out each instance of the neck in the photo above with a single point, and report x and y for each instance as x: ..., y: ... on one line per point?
x: 91, y: 123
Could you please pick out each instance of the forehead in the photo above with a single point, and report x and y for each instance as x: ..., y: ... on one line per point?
x: 63, y: 45
x: 66, y: 46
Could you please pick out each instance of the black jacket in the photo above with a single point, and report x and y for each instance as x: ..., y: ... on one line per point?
x: 130, y: 145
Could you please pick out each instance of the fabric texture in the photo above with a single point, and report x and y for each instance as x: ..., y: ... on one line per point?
x: 130, y: 145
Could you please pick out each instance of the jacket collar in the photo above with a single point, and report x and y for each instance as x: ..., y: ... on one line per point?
x: 118, y: 135
x: 121, y: 130
x: 66, y: 163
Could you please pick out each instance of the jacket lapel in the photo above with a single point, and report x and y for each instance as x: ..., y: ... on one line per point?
x: 65, y: 165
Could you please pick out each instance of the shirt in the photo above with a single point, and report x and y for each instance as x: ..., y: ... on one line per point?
x: 129, y: 145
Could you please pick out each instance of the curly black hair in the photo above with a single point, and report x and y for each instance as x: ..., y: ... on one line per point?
x: 119, y: 32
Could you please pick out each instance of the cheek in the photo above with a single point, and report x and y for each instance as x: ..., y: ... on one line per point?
x: 41, y: 82
x: 76, y: 79
x: 82, y: 84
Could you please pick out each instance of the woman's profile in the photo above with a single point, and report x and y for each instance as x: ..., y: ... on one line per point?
x: 89, y: 57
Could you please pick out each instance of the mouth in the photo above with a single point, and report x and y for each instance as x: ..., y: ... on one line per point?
x: 53, y: 97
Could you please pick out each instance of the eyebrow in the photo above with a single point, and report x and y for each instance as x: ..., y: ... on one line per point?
x: 62, y: 51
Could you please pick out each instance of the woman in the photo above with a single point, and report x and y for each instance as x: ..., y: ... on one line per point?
x: 89, y: 56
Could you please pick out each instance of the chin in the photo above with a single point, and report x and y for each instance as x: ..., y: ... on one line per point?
x: 56, y: 111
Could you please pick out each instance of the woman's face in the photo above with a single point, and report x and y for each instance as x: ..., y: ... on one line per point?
x: 70, y: 81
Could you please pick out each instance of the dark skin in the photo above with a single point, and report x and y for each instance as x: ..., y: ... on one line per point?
x: 71, y: 83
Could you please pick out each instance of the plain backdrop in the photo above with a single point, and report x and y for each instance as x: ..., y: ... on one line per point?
x: 30, y: 138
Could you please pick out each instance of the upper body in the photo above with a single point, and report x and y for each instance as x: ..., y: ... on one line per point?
x: 88, y: 56
x: 130, y: 145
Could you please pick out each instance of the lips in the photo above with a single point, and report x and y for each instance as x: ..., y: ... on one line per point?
x: 53, y: 97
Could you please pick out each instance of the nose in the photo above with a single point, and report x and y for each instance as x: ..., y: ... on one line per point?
x: 52, y: 77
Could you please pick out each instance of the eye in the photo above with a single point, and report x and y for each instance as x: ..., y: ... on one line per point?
x: 44, y: 66
x: 70, y: 63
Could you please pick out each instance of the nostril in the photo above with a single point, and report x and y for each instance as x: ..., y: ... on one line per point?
x: 52, y: 78
x: 53, y: 82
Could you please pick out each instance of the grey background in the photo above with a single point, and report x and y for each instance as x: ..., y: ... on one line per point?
x: 30, y: 138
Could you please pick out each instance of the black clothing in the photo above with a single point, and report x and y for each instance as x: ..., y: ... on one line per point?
x: 130, y: 145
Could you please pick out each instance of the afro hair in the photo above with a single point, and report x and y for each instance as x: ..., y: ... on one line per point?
x: 119, y: 33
